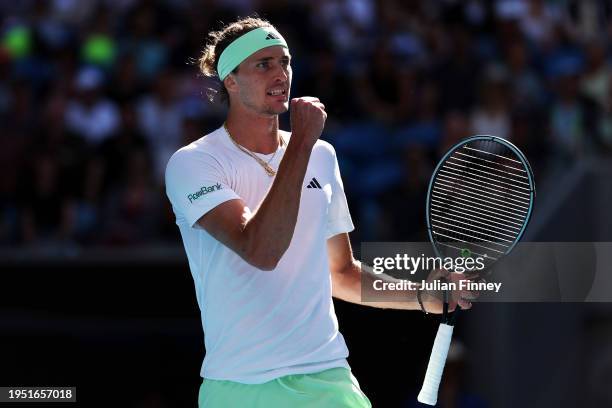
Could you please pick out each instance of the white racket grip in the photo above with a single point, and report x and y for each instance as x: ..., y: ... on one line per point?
x: 437, y: 360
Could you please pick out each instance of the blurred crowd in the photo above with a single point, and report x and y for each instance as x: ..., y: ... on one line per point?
x: 95, y: 95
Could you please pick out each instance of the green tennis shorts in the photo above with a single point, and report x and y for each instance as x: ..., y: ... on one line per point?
x: 336, y: 387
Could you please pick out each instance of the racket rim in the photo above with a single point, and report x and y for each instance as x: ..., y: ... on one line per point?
x: 453, y: 149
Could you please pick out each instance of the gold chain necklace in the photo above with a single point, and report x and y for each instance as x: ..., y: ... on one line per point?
x: 266, y: 165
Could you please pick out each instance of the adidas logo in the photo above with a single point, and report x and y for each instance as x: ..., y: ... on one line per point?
x: 314, y: 184
x: 271, y: 36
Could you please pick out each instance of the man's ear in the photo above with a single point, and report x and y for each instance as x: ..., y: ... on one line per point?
x: 230, y: 83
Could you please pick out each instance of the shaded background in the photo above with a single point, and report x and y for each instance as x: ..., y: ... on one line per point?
x: 95, y: 95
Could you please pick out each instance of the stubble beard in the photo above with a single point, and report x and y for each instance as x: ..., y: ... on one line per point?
x: 273, y: 112
x: 266, y: 110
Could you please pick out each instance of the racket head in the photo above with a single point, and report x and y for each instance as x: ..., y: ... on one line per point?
x: 480, y: 199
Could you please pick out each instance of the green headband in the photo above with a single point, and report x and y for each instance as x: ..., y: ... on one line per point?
x: 246, y: 45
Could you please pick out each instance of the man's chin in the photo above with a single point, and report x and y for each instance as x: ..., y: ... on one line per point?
x: 278, y: 110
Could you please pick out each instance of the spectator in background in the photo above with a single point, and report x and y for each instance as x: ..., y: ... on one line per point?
x: 492, y: 115
x: 567, y: 118
x: 117, y: 151
x: 5, y: 77
x: 331, y: 84
x: 69, y: 149
x: 456, y: 126
x: 347, y: 24
x: 133, y: 207
x: 595, y: 81
x: 458, y: 72
x: 10, y: 166
x: 90, y: 114
x: 377, y: 89
x: 10, y: 159
x: 149, y: 37
x: 73, y: 12
x: 47, y: 209
x: 403, y: 207
x: 17, y: 116
x: 426, y: 128
x: 87, y: 212
x: 79, y: 170
x: 605, y: 122
x: 21, y: 114
x: 527, y: 92
x: 537, y: 19
x: 191, y: 130
x: 589, y: 19
x: 120, y: 172
x: 99, y: 48
x: 127, y: 85
x: 528, y: 130
x: 160, y: 119
x: 64, y: 65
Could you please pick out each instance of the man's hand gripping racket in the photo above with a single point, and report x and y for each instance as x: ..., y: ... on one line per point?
x: 479, y: 203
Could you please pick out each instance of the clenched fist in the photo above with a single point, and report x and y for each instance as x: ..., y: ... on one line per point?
x: 307, y: 119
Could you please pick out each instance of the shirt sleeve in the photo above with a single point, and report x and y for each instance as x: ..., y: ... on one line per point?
x: 339, y: 218
x: 195, y: 184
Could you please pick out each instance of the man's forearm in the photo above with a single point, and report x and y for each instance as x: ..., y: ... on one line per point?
x: 347, y: 285
x: 270, y: 229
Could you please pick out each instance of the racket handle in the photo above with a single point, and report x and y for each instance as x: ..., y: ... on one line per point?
x: 433, y: 376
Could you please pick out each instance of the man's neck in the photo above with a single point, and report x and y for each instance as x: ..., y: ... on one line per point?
x: 257, y: 133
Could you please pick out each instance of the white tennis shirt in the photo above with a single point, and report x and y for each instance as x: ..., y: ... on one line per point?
x: 260, y: 325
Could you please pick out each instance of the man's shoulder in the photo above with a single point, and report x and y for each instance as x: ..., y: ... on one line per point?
x: 207, y: 145
x: 325, y: 145
x: 324, y: 148
x: 323, y: 156
x: 207, y: 149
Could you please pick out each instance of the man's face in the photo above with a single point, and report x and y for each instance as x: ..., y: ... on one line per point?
x: 263, y: 81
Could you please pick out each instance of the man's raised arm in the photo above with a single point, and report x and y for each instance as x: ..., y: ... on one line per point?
x: 262, y: 237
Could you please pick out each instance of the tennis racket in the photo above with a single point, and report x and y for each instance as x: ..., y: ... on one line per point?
x: 479, y: 203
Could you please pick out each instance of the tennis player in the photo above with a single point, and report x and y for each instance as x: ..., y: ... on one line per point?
x: 264, y: 221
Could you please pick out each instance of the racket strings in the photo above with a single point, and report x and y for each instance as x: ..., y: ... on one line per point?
x: 494, y: 179
x: 474, y: 207
x: 474, y: 187
x: 480, y: 199
x: 497, y: 205
x: 465, y: 213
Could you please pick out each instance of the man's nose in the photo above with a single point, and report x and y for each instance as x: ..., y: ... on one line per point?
x: 281, y: 73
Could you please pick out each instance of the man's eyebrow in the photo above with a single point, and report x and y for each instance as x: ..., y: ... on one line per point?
x: 284, y: 57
